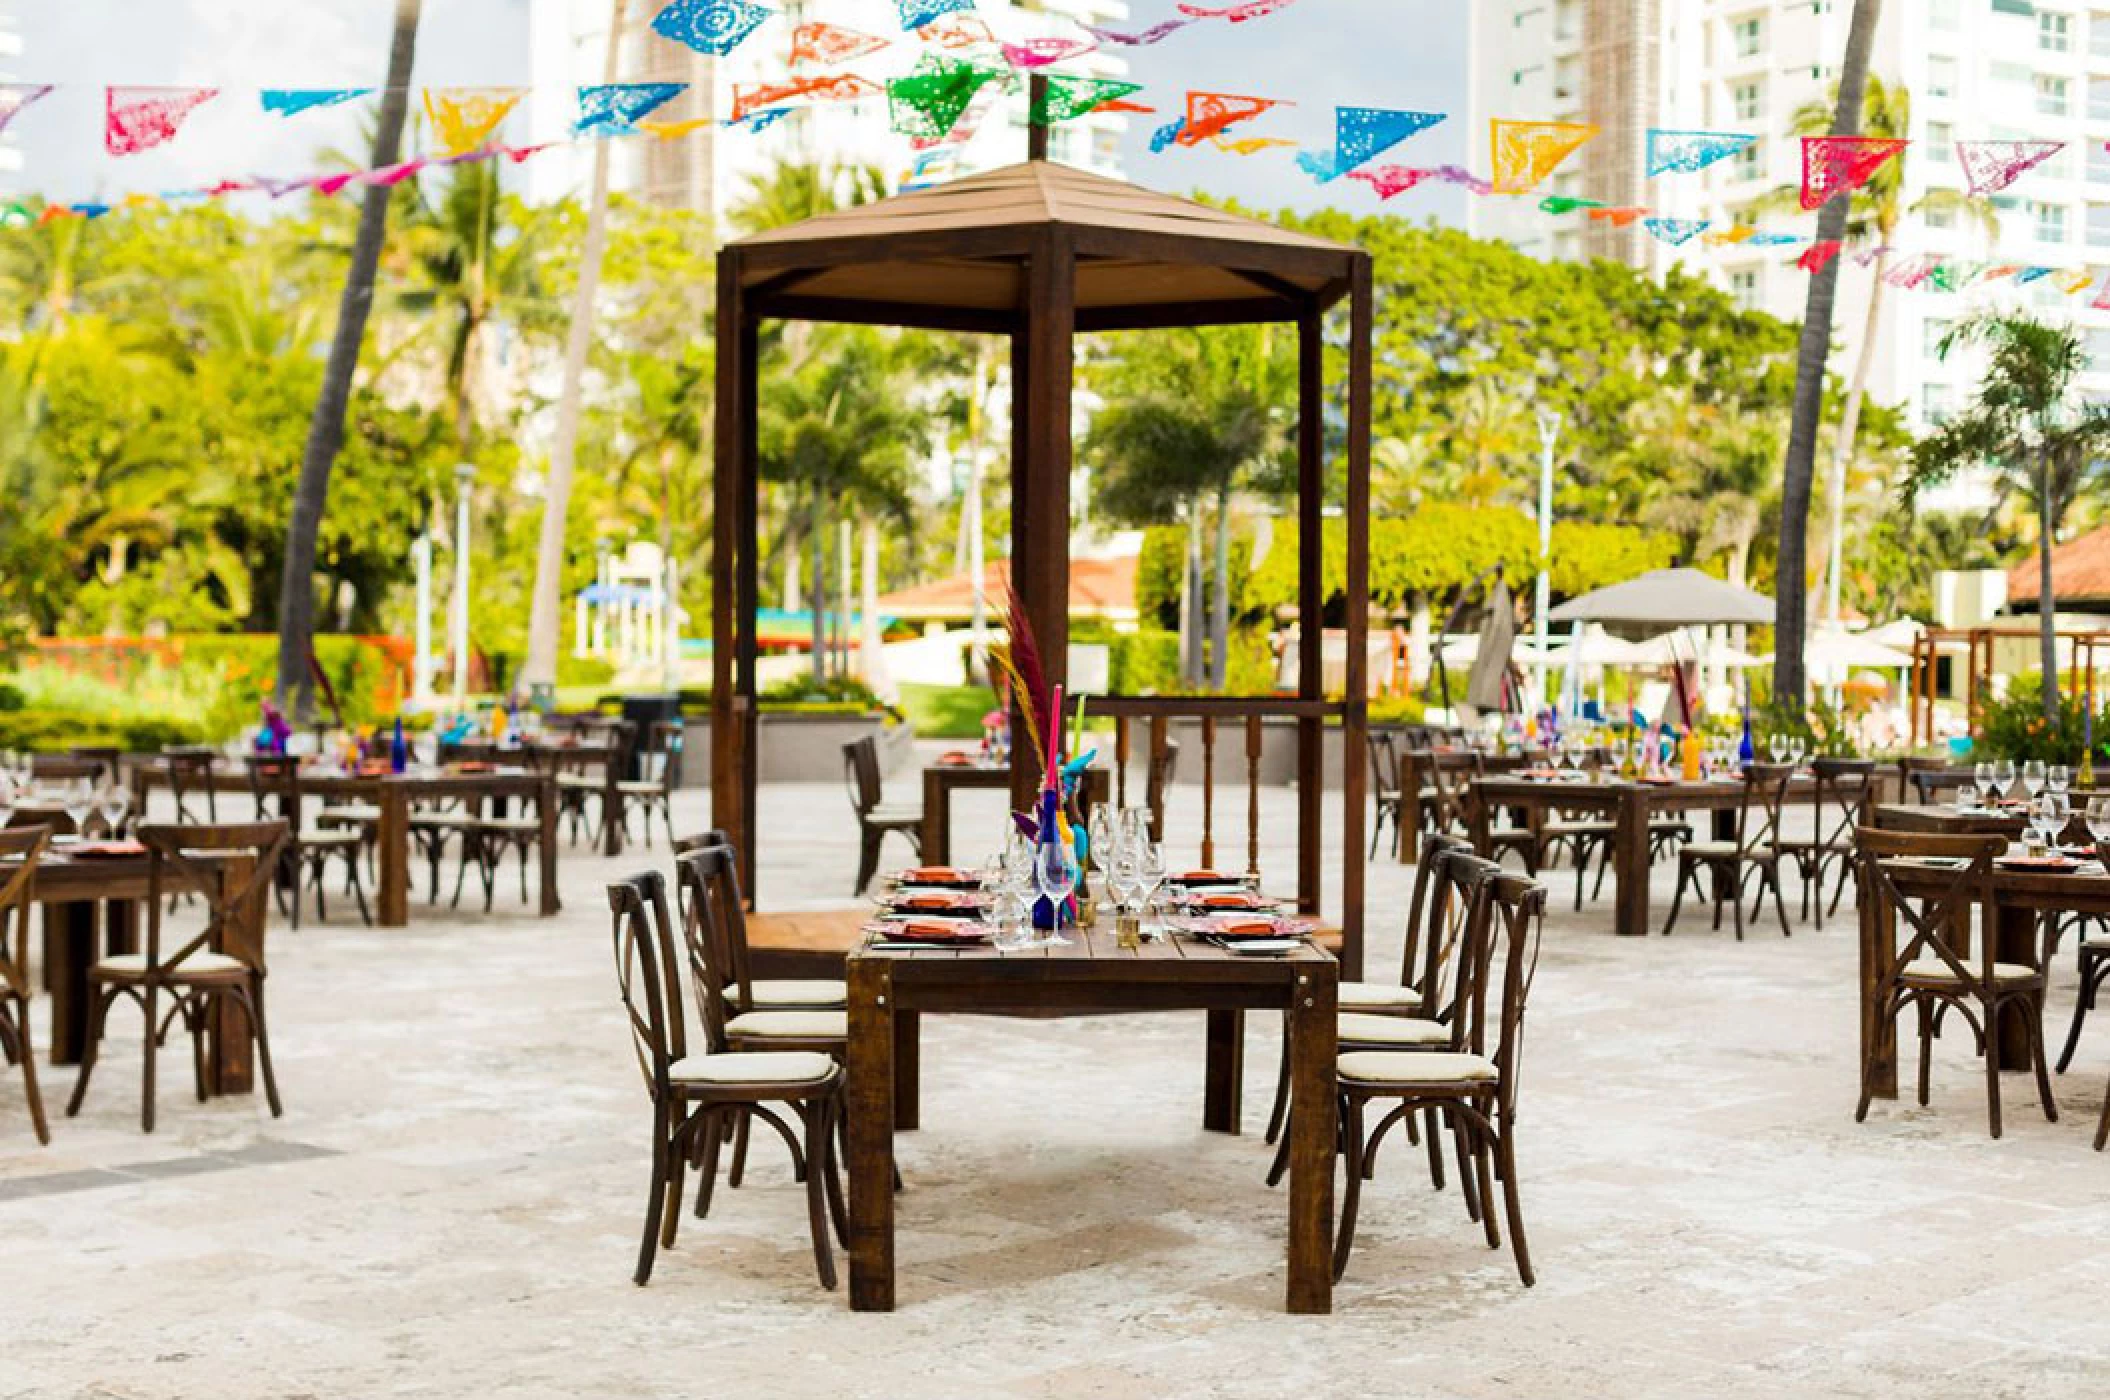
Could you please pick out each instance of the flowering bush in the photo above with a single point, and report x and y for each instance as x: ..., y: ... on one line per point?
x: 2016, y: 727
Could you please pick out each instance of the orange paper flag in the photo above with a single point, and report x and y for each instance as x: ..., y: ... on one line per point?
x: 1524, y: 153
x: 1210, y: 114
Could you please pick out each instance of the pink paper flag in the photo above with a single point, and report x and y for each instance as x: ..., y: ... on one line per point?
x: 1238, y: 14
x: 1994, y: 165
x: 140, y: 118
x: 15, y: 96
x: 1039, y: 53
x: 2101, y: 300
x: 1833, y: 165
x: 391, y: 175
x: 330, y: 184
x: 1818, y: 255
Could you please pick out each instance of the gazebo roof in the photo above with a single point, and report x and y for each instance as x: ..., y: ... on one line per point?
x: 953, y: 257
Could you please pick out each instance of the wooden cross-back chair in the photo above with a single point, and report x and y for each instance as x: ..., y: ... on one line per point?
x: 214, y: 965
x: 20, y: 849
x: 190, y: 773
x: 658, y: 775
x: 1922, y: 913
x: 1385, y: 787
x: 1846, y: 789
x: 274, y: 783
x: 875, y: 817
x: 742, y: 990
x: 1473, y: 1078
x: 693, y: 1093
x: 1727, y: 866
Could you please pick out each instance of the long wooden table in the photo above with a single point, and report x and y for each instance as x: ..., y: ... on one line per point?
x: 1630, y: 806
x: 610, y: 759
x: 1416, y: 782
x: 393, y: 794
x: 1092, y: 974
x: 74, y: 891
x: 942, y: 780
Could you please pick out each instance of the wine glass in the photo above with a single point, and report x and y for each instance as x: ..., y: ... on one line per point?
x: 1055, y: 875
x: 1099, y: 840
x: 1982, y: 779
x: 1150, y: 878
x: 2058, y: 778
x: 2045, y: 819
x: 77, y: 800
x: 2097, y: 816
x: 2033, y: 776
x: 2004, y: 776
x: 111, y: 804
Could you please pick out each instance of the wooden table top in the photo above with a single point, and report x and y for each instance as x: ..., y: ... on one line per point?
x: 1093, y: 955
x: 1508, y: 787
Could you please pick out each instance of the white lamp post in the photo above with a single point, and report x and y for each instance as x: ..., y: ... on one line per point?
x: 421, y: 665
x: 465, y: 482
x: 1542, y: 597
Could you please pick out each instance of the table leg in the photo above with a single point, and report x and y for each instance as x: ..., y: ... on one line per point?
x: 1410, y: 807
x: 908, y: 1071
x: 1879, y: 1034
x: 69, y: 949
x: 871, y: 1113
x: 121, y: 926
x: 1312, y: 1126
x: 547, y: 802
x: 231, y: 1049
x: 937, y: 819
x: 1630, y: 863
x: 1223, y: 1086
x: 612, y: 809
x: 2016, y: 941
x: 392, y: 841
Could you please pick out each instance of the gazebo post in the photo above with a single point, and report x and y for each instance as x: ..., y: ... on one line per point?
x: 1042, y: 362
x: 733, y: 579
x: 1311, y: 599
x: 1355, y: 702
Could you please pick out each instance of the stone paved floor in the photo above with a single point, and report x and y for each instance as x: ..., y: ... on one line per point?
x: 451, y: 1204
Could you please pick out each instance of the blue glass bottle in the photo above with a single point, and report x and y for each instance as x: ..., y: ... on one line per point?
x: 1045, y: 914
x: 398, y: 751
x: 1746, y: 751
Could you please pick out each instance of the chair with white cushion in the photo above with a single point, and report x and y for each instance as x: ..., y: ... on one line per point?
x: 875, y: 815
x: 1917, y: 895
x: 274, y: 781
x: 20, y: 847
x: 197, y: 976
x: 1472, y: 1080
x: 695, y: 1095
x: 743, y: 991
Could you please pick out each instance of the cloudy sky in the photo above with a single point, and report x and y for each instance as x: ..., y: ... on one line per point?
x: 1379, y: 53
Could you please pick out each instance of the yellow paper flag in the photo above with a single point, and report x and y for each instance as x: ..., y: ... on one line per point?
x: 1524, y: 153
x: 668, y: 131
x: 464, y: 118
x: 2077, y: 281
x: 1735, y: 233
x: 1248, y: 145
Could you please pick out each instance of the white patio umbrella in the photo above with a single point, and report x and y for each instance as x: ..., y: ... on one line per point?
x: 1668, y: 598
x: 1595, y: 647
x: 1835, y: 652
x: 1673, y: 647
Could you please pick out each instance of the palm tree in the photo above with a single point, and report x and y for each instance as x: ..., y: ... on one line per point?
x: 794, y: 192
x: 1873, y: 214
x: 1791, y: 590
x: 545, y: 605
x: 296, y: 607
x: 2021, y: 426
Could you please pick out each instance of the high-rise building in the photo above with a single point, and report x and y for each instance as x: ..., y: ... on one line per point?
x: 1974, y: 69
x: 11, y: 181
x: 710, y: 169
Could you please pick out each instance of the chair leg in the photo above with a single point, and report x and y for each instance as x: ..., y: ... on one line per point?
x: 194, y: 1022
x: 1736, y: 901
x: 358, y: 889
x: 1512, y: 1206
x: 739, y: 1167
x: 1926, y: 1026
x: 254, y: 1000
x: 1435, y: 1142
x: 1280, y: 1165
x: 146, y: 1085
x: 1483, y: 1167
x: 92, y: 1049
x: 2083, y: 1003
x: 1467, y: 1185
x: 867, y: 858
x: 1677, y: 898
x: 2037, y: 1058
x: 677, y: 1178
x: 1868, y: 1090
x: 1281, y: 1108
x: 816, y: 1114
x: 656, y: 1198
x: 1991, y: 1050
x: 711, y: 1133
x: 2102, y: 1124
x: 1352, y: 1194
x: 1779, y: 906
x: 22, y: 1047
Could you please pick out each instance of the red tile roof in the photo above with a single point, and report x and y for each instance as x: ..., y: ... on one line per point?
x: 2080, y: 571
x: 1098, y: 588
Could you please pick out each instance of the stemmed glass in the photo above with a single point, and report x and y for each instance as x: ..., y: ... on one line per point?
x: 2097, y: 815
x: 1982, y: 779
x: 2058, y: 778
x: 1150, y: 878
x: 111, y: 804
x: 2046, y: 817
x: 77, y: 800
x: 2004, y: 776
x: 1055, y: 876
x: 2033, y: 776
x: 1009, y: 879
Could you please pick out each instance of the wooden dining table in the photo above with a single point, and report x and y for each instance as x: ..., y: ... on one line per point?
x: 395, y: 794
x: 107, y: 895
x: 1092, y: 974
x: 609, y: 758
x: 1630, y: 805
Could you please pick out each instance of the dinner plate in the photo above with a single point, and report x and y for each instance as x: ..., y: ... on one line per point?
x: 2043, y: 865
x: 1262, y: 947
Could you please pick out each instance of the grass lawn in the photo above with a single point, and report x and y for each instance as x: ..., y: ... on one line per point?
x: 945, y: 711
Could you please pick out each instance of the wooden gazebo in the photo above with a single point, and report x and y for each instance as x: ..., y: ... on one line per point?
x: 1040, y: 252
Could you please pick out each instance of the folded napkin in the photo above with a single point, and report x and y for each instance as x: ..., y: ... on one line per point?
x: 931, y: 928
x: 1241, y: 900
x: 943, y: 874
x: 1248, y: 927
x: 1194, y: 877
x: 927, y: 901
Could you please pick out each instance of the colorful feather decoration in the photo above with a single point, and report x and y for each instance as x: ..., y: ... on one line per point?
x: 1024, y: 663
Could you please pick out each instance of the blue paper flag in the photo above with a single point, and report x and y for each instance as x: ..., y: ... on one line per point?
x: 1772, y: 240
x: 917, y: 13
x: 710, y: 26
x: 286, y: 101
x: 1361, y: 133
x: 1687, y: 151
x: 1167, y: 134
x: 612, y: 109
x: 1674, y: 231
x: 2031, y: 274
x: 762, y: 119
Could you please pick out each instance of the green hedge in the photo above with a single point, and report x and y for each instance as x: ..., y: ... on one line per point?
x: 56, y: 731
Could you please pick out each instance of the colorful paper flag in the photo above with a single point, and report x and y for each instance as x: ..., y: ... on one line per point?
x: 1122, y: 104
x: 2031, y: 274
x: 1869, y: 255
x: 962, y: 29
x: 389, y: 176
x: 1688, y: 151
x: 1137, y: 37
x: 286, y: 102
x: 278, y: 187
x: 1989, y: 166
x: 829, y: 87
x: 1390, y: 180
x: 15, y: 96
x: 928, y: 101
x: 710, y: 26
x: 1361, y: 134
x: 1165, y: 135
x: 2076, y: 281
x: 331, y: 184
x: 917, y: 13
x: 762, y: 120
x: 1068, y: 97
x: 1213, y: 113
x: 669, y: 131
x: 1910, y: 272
x: 1818, y: 255
x: 1834, y: 165
x: 140, y: 118
x: 1250, y: 145
x: 1039, y: 53
x: 1237, y: 14
x: 1567, y: 204
x: 1735, y: 233
x: 464, y: 118
x: 1674, y: 231
x: 1773, y: 240
x: 1994, y: 274
x: 1525, y: 153
x: 815, y: 42
x: 1619, y: 216
x: 612, y: 109
x: 16, y: 215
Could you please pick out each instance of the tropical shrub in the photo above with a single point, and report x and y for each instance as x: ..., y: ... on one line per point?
x: 2015, y: 726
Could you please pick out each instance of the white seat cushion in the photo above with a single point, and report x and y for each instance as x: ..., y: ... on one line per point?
x: 1359, y: 996
x: 451, y: 821
x: 330, y: 836
x: 818, y: 993
x: 201, y: 962
x: 2099, y: 942
x: 1416, y: 1067
x: 349, y: 812
x: 1720, y: 850
x: 1577, y: 828
x: 886, y: 813
x: 519, y: 824
x: 1361, y: 1028
x: 639, y: 789
x: 580, y: 781
x: 754, y: 1067
x: 1935, y: 970
x: 795, y: 1025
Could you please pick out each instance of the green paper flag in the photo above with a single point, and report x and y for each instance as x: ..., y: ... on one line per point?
x: 927, y: 102
x: 1568, y: 204
x: 1073, y: 97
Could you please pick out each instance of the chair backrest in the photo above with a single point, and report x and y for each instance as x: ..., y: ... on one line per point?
x: 1846, y: 787
x: 1384, y: 761
x: 861, y: 774
x: 665, y: 742
x: 190, y: 771
x: 1758, y: 810
x: 63, y: 768
x: 105, y: 758
x: 1506, y: 926
x: 1928, y: 784
x: 713, y: 926
x: 26, y: 844
x: 274, y: 780
x: 195, y: 853
x: 1447, y: 934
x: 1436, y: 848
x: 648, y: 977
x: 1916, y: 895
